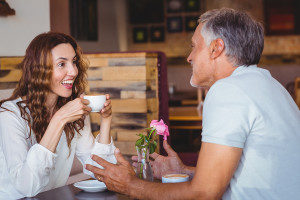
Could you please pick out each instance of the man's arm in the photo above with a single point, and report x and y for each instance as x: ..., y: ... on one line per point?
x: 216, y: 165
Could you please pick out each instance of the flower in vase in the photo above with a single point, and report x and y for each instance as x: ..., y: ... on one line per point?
x: 147, y: 141
x: 160, y: 127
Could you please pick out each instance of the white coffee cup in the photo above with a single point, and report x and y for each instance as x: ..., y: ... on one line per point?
x: 174, y: 178
x: 96, y: 102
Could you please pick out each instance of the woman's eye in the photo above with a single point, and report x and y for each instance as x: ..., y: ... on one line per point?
x: 61, y: 64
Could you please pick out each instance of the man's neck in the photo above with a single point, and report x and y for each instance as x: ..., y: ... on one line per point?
x: 224, y: 69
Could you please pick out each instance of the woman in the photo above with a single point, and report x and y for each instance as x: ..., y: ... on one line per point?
x: 44, y: 123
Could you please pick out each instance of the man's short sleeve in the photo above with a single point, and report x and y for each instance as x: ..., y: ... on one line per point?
x: 228, y: 115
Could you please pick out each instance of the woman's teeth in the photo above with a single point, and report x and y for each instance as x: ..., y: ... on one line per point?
x: 69, y: 82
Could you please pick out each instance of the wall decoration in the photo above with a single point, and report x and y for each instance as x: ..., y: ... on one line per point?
x: 157, y: 33
x: 146, y: 11
x: 5, y: 9
x: 282, y: 17
x: 174, y: 6
x: 140, y: 34
x: 174, y: 24
x: 191, y: 23
x: 83, y: 17
x: 192, y: 5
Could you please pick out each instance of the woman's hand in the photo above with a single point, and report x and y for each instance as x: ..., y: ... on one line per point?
x: 73, y: 110
x: 106, y: 110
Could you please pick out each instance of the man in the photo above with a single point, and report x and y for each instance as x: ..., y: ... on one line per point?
x: 251, y: 125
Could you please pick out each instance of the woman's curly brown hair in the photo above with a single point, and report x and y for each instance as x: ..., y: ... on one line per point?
x: 34, y: 85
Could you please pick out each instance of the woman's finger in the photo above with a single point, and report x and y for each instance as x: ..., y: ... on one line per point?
x: 87, y: 108
x: 105, y: 109
x: 85, y: 101
x: 107, y: 102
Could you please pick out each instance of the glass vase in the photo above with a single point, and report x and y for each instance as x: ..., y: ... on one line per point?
x: 144, y: 170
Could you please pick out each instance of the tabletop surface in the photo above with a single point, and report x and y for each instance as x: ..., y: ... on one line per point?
x: 69, y: 192
x: 184, y: 114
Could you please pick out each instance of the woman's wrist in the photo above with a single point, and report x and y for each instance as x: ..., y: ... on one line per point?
x: 58, y: 119
x: 106, y: 118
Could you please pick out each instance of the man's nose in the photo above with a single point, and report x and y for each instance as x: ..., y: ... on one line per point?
x: 189, y: 59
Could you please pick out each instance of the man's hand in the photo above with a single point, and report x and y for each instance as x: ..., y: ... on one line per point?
x: 117, y: 177
x: 162, y: 165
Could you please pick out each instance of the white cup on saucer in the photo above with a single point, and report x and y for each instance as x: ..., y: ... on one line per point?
x: 96, y: 102
x: 175, y: 178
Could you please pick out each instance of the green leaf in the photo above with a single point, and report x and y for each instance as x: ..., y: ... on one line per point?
x: 141, y: 135
x: 139, y: 142
x: 155, y: 143
x: 152, y: 147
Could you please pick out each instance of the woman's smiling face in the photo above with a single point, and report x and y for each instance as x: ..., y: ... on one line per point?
x: 64, y: 70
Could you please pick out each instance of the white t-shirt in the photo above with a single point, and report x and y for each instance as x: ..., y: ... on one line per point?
x: 28, y: 168
x: 251, y: 110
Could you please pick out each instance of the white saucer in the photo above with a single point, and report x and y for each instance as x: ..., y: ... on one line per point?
x: 91, y: 186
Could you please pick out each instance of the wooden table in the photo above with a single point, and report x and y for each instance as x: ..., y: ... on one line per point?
x: 185, y: 118
x: 69, y: 192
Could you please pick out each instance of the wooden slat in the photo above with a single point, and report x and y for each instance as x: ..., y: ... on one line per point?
x: 95, y: 117
x: 127, y: 61
x: 151, y: 116
x: 122, y: 85
x: 152, y: 84
x: 129, y: 105
x: 10, y: 75
x: 151, y: 72
x: 126, y: 148
x: 94, y: 73
x: 136, y: 73
x: 98, y: 62
x: 129, y: 135
x: 133, y: 94
x: 130, y: 120
x: 8, y: 85
x: 152, y: 105
x: 10, y: 62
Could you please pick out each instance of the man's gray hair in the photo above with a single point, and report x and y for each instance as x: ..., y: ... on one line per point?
x: 242, y: 35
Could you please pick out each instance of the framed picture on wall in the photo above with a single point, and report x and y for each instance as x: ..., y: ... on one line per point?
x: 191, y: 23
x: 145, y: 11
x: 175, y: 6
x: 140, y: 34
x: 83, y: 19
x: 174, y: 24
x: 157, y: 33
x: 282, y: 17
x: 192, y: 5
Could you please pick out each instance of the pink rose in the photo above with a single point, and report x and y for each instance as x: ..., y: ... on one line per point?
x: 160, y: 127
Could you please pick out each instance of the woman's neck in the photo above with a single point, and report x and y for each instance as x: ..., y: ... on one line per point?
x: 51, y: 102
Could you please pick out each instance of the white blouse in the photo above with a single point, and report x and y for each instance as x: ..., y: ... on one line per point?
x: 27, y: 168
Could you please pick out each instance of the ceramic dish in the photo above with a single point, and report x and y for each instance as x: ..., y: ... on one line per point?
x: 91, y: 186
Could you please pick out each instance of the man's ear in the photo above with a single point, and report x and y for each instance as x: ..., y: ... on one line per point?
x: 216, y: 48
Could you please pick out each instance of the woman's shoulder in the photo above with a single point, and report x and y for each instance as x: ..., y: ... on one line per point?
x: 10, y: 106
